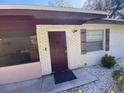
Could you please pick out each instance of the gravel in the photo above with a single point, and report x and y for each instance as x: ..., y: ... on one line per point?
x: 104, y: 83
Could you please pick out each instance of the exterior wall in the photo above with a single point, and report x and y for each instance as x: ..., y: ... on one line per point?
x: 75, y: 59
x: 18, y: 73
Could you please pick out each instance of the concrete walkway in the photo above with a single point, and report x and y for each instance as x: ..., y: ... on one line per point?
x: 83, y: 77
x: 30, y: 86
x: 46, y: 84
x: 104, y: 83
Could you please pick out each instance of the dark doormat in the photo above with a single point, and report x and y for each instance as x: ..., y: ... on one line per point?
x: 63, y: 76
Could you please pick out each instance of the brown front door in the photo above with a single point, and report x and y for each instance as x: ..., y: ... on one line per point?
x: 58, y: 51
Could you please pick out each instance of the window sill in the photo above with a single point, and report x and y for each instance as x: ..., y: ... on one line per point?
x: 95, y: 52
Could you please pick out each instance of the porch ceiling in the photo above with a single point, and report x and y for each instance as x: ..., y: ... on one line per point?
x: 49, y: 15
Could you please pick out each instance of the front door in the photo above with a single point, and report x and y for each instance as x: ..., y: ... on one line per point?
x: 58, y: 51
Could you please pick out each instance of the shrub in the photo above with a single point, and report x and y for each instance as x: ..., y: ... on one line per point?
x: 118, y: 77
x: 110, y: 91
x: 108, y: 61
x: 79, y: 90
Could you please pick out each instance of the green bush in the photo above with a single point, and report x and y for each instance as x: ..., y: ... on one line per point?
x: 108, y: 61
x: 110, y: 91
x: 118, y: 77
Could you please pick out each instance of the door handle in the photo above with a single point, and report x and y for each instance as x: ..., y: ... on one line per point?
x: 65, y: 50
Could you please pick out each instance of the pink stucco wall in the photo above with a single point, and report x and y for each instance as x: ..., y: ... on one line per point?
x: 20, y: 72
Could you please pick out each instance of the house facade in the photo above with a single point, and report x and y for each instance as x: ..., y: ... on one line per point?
x: 37, y: 41
x: 75, y: 58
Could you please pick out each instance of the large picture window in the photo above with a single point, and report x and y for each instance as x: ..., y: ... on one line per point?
x: 18, y: 47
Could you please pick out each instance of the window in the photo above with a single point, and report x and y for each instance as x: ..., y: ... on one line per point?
x: 18, y: 47
x: 91, y: 40
x: 107, y: 39
x: 83, y: 41
x: 94, y: 40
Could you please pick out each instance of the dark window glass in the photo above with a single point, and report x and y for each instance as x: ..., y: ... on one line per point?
x: 18, y: 47
x: 107, y: 39
x: 83, y: 41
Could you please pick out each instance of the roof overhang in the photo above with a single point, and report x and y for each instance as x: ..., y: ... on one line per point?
x: 48, y: 15
x: 106, y: 21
